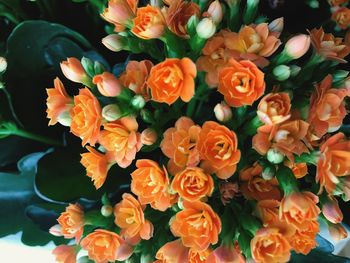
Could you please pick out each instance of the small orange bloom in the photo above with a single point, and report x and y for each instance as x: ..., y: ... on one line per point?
x: 122, y: 140
x: 299, y: 208
x: 149, y: 22
x: 104, y: 246
x: 178, y: 14
x: 151, y: 184
x: 327, y: 108
x: 173, y: 251
x: 96, y: 165
x: 299, y: 169
x: 86, y: 117
x: 192, y: 184
x: 270, y: 246
x: 198, y: 256
x: 226, y: 254
x: 58, y: 103
x: 253, y: 186
x: 304, y: 240
x: 73, y: 70
x: 72, y: 221
x: 274, y: 108
x: 241, y: 83
x: 107, y: 84
x: 130, y: 218
x: 180, y: 145
x: 65, y: 254
x: 333, y: 166
x: 342, y: 17
x: 287, y: 138
x: 197, y: 225
x: 217, y: 146
x: 135, y: 77
x: 268, y: 211
x: 171, y: 79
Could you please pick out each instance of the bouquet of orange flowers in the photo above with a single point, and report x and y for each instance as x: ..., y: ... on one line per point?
x: 231, y: 133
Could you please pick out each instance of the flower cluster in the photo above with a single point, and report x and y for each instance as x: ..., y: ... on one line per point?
x: 240, y: 127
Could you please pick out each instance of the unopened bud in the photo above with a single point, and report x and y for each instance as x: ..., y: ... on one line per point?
x: 138, y: 102
x: 206, y: 28
x: 111, y: 112
x: 3, y: 64
x: 215, y: 12
x: 268, y: 172
x: 56, y: 230
x: 277, y: 25
x: 281, y: 72
x: 106, y: 210
x: 294, y: 70
x: 331, y: 211
x: 64, y: 119
x: 114, y: 42
x: 73, y: 70
x: 192, y: 25
x: 223, y: 112
x: 148, y: 136
x: 107, y: 84
x: 337, y: 231
x: 274, y: 156
x: 297, y: 46
x: 340, y: 75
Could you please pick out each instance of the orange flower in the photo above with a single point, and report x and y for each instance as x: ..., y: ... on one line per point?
x: 135, y: 77
x: 58, y: 103
x: 73, y: 70
x: 122, y: 140
x: 333, y: 166
x: 149, y: 136
x: 173, y: 251
x: 180, y: 145
x: 268, y: 211
x: 192, y: 184
x: 171, y: 79
x: 96, y: 165
x: 228, y: 191
x: 299, y: 169
x: 304, y: 240
x: 72, y: 221
x: 149, y: 22
x: 86, y: 117
x: 274, y: 108
x: 198, y: 256
x: 104, y: 246
x: 327, y: 108
x: 130, y: 218
x: 107, y: 84
x: 255, y: 187
x: 270, y: 246
x: 65, y: 254
x: 225, y: 254
x: 151, y: 184
x: 241, y: 83
x: 330, y: 47
x: 197, y: 225
x: 299, y: 208
x: 287, y: 138
x: 120, y: 13
x: 342, y: 17
x: 217, y: 146
x: 178, y: 14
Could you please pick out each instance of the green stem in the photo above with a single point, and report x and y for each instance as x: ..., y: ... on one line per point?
x: 36, y: 137
x: 12, y: 109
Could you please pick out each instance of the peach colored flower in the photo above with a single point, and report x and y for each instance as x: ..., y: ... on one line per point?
x: 178, y: 14
x: 330, y: 47
x: 241, y: 83
x: 171, y: 79
x: 149, y: 22
x: 86, y: 117
x: 73, y: 70
x: 268, y: 211
x: 121, y: 139
x: 195, y: 256
x: 58, y: 102
x: 149, y: 136
x: 72, y: 221
x: 299, y: 169
x: 120, y: 13
x: 342, y: 17
x: 304, y: 240
x: 135, y: 77
x: 287, y: 138
x: 228, y: 191
x: 217, y: 146
x: 96, y: 165
x: 197, y: 225
x: 179, y: 144
x: 130, y: 218
x: 65, y: 254
x: 327, y: 108
x: 253, y: 186
x: 297, y: 46
x: 173, y: 251
x: 274, y: 108
x: 331, y: 210
x: 270, y: 246
x: 337, y: 231
x: 104, y: 246
x: 333, y: 166
x: 298, y: 208
x: 107, y: 84
x: 224, y: 255
x: 151, y: 184
x: 192, y: 184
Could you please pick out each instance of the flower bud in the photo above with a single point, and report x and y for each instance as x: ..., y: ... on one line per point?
x: 206, y: 28
x: 222, y: 112
x: 56, y: 230
x: 106, y: 210
x: 294, y: 70
x: 107, y: 84
x: 340, y: 75
x: 268, y: 172
x: 146, y: 116
x: 148, y: 136
x: 337, y: 232
x: 277, y: 25
x: 145, y: 258
x: 274, y: 156
x: 331, y: 211
x: 297, y: 46
x: 138, y: 102
x: 192, y: 25
x: 115, y: 42
x: 64, y: 118
x: 3, y: 64
x: 73, y: 70
x: 111, y: 112
x: 2, y: 85
x: 281, y: 72
x: 215, y: 12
